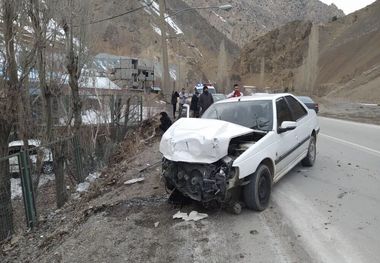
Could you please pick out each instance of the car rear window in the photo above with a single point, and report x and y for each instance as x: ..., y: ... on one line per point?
x: 305, y: 99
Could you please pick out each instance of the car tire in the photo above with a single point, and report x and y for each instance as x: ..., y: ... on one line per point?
x: 257, y: 192
x: 309, y: 160
x: 47, y: 168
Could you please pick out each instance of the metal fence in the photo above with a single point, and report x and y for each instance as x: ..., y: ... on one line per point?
x: 36, y: 179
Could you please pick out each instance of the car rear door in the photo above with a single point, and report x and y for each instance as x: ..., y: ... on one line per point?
x: 302, y: 132
x: 286, y: 140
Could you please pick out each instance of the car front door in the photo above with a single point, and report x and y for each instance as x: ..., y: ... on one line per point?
x: 286, y: 140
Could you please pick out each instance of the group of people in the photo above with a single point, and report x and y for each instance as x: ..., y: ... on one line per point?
x: 198, y: 105
x: 199, y: 102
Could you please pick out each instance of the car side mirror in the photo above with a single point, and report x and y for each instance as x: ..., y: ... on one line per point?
x: 287, y: 126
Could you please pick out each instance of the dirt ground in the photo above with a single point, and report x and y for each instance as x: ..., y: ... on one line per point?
x: 115, y: 222
x: 346, y: 110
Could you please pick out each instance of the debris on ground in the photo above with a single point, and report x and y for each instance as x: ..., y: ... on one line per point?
x: 83, y: 187
x: 193, y: 216
x: 180, y: 215
x: 254, y: 232
x: 92, y: 177
x: 156, y: 224
x: 135, y: 180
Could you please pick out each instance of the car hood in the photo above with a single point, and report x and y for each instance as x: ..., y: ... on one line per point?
x: 199, y: 140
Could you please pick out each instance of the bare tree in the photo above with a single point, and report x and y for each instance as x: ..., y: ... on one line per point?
x: 8, y: 113
x: 39, y: 18
x: 76, y: 52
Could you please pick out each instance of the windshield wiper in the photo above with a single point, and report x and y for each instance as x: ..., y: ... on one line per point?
x: 259, y: 124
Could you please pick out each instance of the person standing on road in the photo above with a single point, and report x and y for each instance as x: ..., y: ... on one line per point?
x: 205, y: 100
x: 194, y: 103
x: 236, y: 92
x: 182, y: 101
x: 175, y: 95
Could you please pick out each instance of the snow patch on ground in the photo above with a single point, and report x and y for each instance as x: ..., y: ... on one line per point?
x: 83, y: 187
x: 44, y: 179
x: 16, y: 188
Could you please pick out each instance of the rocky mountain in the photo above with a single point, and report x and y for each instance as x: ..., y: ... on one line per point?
x: 251, y: 18
x: 193, y: 42
x: 337, y: 59
x: 202, y: 40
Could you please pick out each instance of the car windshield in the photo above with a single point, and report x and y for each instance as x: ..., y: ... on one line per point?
x: 256, y: 114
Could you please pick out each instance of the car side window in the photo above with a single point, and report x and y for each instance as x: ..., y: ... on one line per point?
x: 283, y: 112
x: 298, y: 110
x: 14, y: 150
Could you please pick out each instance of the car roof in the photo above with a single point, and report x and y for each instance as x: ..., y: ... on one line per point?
x: 305, y: 98
x: 21, y: 143
x: 259, y: 96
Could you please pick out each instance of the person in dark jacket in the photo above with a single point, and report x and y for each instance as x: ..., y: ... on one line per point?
x: 175, y: 96
x: 166, y: 122
x: 194, y: 104
x: 205, y: 100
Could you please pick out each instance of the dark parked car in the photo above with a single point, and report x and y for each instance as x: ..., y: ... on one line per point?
x: 218, y: 97
x: 309, y: 103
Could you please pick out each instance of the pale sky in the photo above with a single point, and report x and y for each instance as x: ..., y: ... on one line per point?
x: 349, y: 6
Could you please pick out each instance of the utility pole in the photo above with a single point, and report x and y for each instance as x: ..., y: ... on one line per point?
x: 165, y: 64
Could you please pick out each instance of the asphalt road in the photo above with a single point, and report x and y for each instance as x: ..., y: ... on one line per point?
x: 327, y: 213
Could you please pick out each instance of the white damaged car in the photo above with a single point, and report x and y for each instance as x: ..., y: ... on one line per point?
x: 239, y: 148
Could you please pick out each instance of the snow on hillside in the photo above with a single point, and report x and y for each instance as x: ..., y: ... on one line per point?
x: 156, y: 9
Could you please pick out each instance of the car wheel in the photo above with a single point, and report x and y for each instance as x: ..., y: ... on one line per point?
x: 47, y: 168
x: 257, y: 192
x: 309, y: 160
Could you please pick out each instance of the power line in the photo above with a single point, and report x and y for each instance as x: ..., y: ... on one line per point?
x: 119, y: 15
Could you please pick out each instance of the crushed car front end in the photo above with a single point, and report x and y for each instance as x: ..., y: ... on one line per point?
x: 198, y: 156
x: 200, y: 182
